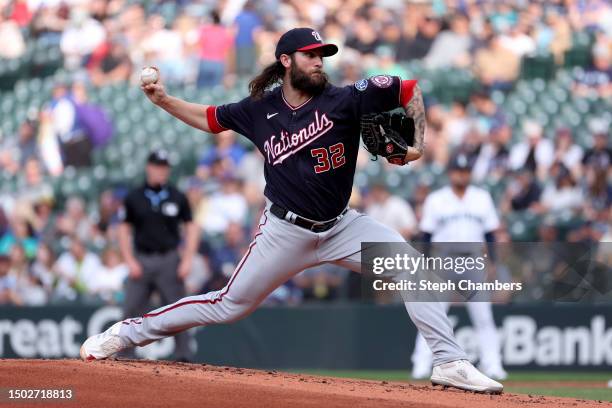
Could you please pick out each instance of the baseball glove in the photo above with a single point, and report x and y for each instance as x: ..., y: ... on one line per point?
x: 388, y: 135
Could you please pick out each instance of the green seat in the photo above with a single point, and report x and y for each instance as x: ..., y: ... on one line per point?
x: 540, y: 66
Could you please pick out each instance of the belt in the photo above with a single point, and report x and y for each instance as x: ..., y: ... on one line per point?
x: 314, y: 226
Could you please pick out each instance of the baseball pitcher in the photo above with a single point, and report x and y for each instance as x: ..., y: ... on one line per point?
x: 308, y: 132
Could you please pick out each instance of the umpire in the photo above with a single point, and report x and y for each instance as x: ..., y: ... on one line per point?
x: 149, y: 236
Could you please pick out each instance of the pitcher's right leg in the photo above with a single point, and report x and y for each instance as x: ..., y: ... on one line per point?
x: 279, y: 251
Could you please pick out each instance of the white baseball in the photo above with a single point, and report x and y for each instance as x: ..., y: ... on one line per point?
x: 149, y: 75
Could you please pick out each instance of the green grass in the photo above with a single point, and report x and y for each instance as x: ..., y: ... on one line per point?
x: 603, y: 394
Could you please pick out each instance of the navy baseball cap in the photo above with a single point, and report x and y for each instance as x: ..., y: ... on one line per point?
x: 303, y: 39
x: 459, y: 162
x: 159, y: 157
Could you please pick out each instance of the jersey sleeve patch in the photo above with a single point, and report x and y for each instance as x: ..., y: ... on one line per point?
x: 361, y: 85
x: 382, y: 81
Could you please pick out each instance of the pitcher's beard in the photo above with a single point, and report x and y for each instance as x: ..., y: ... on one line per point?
x: 306, y: 83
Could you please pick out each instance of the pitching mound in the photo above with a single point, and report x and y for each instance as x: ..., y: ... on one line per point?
x: 120, y: 383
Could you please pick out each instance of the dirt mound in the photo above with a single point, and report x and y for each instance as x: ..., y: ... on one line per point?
x: 120, y: 383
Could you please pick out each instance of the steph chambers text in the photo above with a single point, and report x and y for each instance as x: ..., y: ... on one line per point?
x: 448, y: 286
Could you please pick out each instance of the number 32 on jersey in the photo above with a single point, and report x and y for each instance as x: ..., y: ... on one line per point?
x: 328, y: 160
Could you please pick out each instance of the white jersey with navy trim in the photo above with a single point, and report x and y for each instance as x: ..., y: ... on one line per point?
x: 450, y: 218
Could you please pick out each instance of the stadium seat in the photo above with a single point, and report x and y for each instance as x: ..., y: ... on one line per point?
x: 539, y: 66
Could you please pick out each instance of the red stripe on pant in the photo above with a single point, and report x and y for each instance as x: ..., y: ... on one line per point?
x: 227, y: 288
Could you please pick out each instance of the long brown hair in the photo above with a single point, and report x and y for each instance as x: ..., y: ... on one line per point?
x: 269, y: 76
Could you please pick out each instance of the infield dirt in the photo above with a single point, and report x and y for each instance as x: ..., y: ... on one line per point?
x: 122, y: 383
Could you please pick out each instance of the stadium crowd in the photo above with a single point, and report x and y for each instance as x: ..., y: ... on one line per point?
x: 55, y: 250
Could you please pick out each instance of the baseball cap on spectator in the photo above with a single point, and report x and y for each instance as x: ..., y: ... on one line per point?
x: 159, y: 157
x: 303, y: 39
x: 459, y: 161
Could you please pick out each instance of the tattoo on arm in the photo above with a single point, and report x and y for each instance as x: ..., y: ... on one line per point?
x: 415, y: 109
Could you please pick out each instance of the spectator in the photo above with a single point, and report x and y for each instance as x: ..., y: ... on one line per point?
x: 225, y: 258
x: 74, y: 222
x: 26, y: 142
x: 164, y: 49
x: 93, y: 119
x: 485, y: 114
x: 43, y: 219
x: 4, y: 222
x: 456, y: 123
x: 75, y: 144
x: 50, y: 151
x: 390, y: 34
x: 322, y: 283
x: 503, y: 17
x: 535, y: 154
x: 42, y: 268
x: 9, y: 158
x: 215, y: 45
x: 496, y: 66
x: 76, y: 270
x: 451, y: 47
x: 8, y: 283
x: 114, y: 65
x: 29, y: 289
x: 21, y: 235
x: 391, y: 210
x: 226, y: 149
x: 519, y: 41
x: 250, y: 170
x: 418, y: 47
x: 567, y: 152
x: 107, y: 283
x: 363, y: 37
x: 225, y: 207
x: 386, y: 64
x: 80, y: 38
x: 597, y: 193
x: 49, y: 22
x: 108, y: 218
x: 492, y: 161
x: 247, y: 24
x: 349, y: 68
x: 596, y: 79
x: 32, y: 186
x: 600, y: 155
x: 563, y: 193
x: 523, y: 193
x: 20, y: 13
x: 13, y: 45
x: 561, y: 40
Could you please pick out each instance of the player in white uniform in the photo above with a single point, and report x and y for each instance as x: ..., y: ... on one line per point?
x: 462, y: 213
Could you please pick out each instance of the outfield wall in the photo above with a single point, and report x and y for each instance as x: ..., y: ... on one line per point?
x: 554, y: 337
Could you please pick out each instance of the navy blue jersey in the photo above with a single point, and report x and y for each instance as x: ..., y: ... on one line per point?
x: 310, y: 151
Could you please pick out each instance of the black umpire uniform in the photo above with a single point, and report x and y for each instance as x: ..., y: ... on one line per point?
x: 155, y: 212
